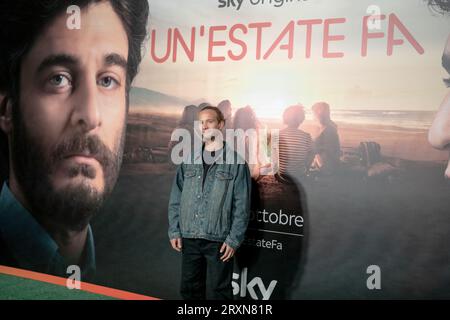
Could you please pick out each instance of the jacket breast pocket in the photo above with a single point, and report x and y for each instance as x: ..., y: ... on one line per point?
x: 223, y: 175
x: 189, y: 179
x: 189, y: 174
x: 220, y: 207
x: 189, y: 187
x: 188, y: 195
x: 221, y: 186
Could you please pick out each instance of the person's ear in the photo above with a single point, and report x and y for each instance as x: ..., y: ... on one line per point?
x: 221, y: 124
x: 5, y: 114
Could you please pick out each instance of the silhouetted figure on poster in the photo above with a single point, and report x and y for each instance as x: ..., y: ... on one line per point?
x: 327, y: 146
x: 275, y: 248
x: 246, y: 121
x: 186, y: 122
x: 295, y: 147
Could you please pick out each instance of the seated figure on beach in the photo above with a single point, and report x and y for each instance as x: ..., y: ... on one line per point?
x: 327, y: 145
x: 225, y: 107
x: 245, y: 119
x: 295, y: 146
x: 188, y: 117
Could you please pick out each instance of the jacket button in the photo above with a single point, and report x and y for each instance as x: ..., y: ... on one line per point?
x: 199, y: 177
x: 199, y: 196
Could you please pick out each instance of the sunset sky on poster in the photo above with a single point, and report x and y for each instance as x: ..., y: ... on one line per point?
x: 406, y: 80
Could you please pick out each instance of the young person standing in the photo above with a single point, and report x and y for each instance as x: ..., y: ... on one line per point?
x: 209, y: 210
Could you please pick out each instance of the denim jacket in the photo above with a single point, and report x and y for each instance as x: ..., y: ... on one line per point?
x: 217, y: 211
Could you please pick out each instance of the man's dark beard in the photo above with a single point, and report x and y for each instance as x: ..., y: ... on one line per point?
x: 71, y: 207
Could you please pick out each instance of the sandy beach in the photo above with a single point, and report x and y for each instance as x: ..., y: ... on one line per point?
x: 398, y: 144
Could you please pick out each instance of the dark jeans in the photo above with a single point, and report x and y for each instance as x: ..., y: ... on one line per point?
x: 203, y: 274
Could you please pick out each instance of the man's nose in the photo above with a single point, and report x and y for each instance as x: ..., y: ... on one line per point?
x: 439, y: 133
x: 86, y: 114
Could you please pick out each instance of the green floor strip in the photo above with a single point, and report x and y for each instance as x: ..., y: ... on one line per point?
x: 15, y: 288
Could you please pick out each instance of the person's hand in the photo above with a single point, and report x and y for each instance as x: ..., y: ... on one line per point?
x: 228, y: 252
x: 176, y: 244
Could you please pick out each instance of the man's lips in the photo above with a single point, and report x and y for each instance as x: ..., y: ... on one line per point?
x: 82, y: 158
